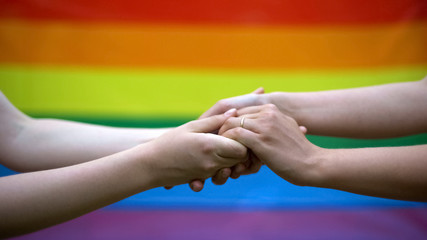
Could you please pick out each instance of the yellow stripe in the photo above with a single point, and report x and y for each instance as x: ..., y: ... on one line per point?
x: 193, y: 46
x: 173, y: 92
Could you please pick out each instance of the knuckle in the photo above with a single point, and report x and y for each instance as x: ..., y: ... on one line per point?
x: 228, y: 123
x: 206, y: 146
x: 270, y: 110
x: 235, y: 133
x: 265, y: 138
x: 239, y: 131
x: 271, y: 107
x: 209, y: 167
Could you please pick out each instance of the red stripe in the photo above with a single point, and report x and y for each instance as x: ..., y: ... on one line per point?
x: 220, y: 11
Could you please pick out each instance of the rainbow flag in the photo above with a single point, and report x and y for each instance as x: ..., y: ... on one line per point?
x: 162, y: 63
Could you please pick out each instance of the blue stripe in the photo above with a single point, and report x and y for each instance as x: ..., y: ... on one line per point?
x: 261, y: 191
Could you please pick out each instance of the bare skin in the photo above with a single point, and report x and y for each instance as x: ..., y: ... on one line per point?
x: 275, y: 139
x: 53, y: 143
x: 389, y: 110
x: 75, y: 185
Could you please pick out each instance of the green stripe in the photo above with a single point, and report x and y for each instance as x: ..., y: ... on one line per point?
x: 166, y: 92
x: 326, y: 142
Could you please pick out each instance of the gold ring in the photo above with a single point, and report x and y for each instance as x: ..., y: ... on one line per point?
x: 242, y: 122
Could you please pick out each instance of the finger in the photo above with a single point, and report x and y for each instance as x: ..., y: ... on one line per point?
x: 216, y: 109
x: 254, y: 167
x: 228, y: 148
x: 220, y: 107
x: 248, y: 123
x: 221, y: 176
x: 197, y: 185
x: 210, y: 124
x: 259, y: 90
x: 249, y: 110
x: 303, y: 129
x: 243, y: 136
x: 246, y: 165
x: 237, y: 170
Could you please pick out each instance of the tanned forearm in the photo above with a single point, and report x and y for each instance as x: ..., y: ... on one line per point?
x: 389, y: 110
x: 389, y: 172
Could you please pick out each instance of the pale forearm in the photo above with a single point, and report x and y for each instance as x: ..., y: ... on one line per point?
x: 394, y: 172
x: 372, y: 112
x: 32, y: 201
x: 51, y: 143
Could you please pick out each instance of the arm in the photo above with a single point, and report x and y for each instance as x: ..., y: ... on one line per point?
x: 389, y: 172
x: 36, y: 200
x: 52, y: 143
x: 383, y: 111
x: 396, y: 172
x: 36, y: 144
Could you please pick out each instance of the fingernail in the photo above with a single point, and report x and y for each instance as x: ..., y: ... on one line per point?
x: 230, y: 112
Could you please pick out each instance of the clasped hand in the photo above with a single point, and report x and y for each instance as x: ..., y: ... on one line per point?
x: 223, y: 146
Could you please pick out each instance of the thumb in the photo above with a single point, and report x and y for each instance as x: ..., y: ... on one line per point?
x: 259, y: 90
x: 210, y: 124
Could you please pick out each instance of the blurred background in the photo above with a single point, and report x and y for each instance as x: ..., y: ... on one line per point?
x: 161, y: 63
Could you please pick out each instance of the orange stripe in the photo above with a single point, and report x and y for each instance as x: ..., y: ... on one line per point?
x: 213, y: 46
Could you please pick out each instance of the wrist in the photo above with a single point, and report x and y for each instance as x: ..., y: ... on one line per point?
x: 143, y: 159
x: 317, y: 164
x: 287, y: 104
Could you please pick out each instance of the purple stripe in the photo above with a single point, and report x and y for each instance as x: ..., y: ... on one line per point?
x: 189, y: 225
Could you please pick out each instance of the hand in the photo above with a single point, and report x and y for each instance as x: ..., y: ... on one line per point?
x: 192, y: 152
x: 252, y: 165
x: 257, y: 97
x: 275, y: 139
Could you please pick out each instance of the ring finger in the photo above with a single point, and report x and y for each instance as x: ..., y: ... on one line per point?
x: 246, y: 121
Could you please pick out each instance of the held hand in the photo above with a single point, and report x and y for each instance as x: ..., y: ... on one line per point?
x: 276, y: 140
x: 191, y: 152
x: 252, y: 165
x: 251, y: 99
